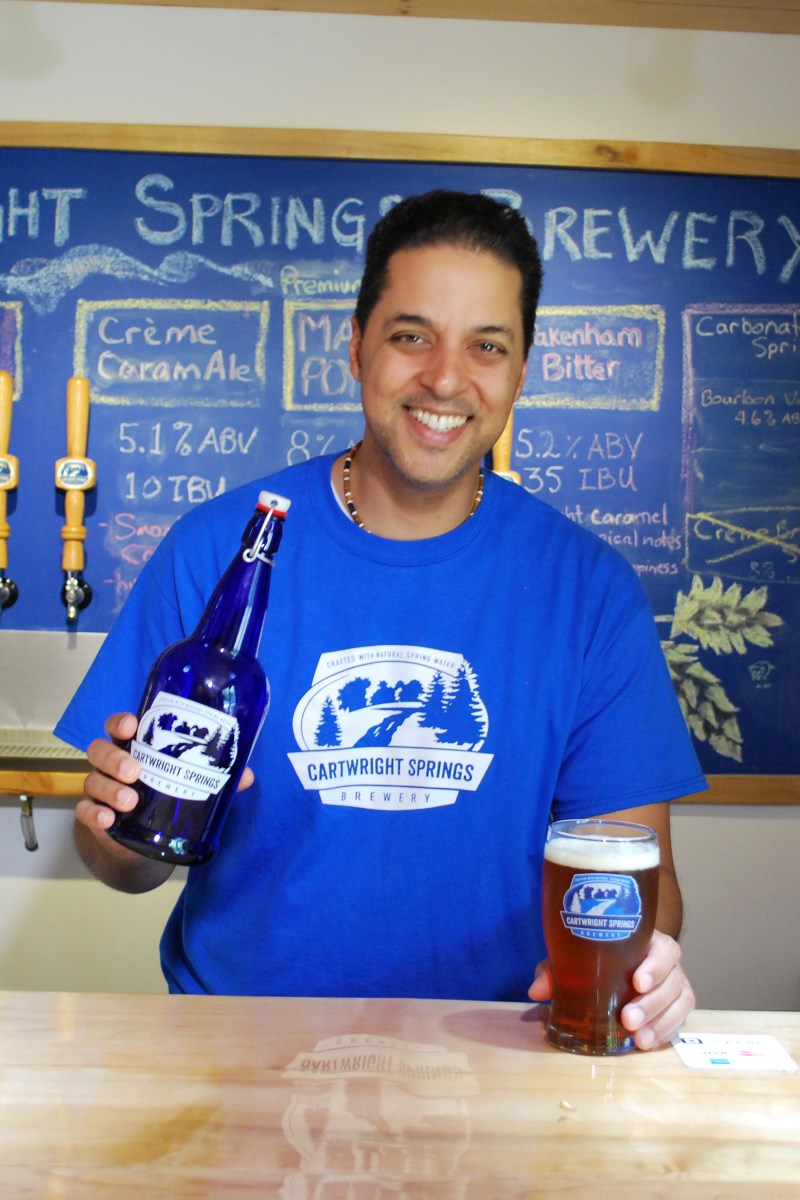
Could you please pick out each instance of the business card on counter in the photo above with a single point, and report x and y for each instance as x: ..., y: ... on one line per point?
x: 733, y: 1052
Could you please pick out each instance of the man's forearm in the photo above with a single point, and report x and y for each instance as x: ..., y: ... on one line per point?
x: 669, y: 915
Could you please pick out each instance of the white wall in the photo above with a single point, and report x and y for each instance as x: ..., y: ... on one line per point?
x: 183, y: 66
x: 187, y: 66
x: 61, y: 930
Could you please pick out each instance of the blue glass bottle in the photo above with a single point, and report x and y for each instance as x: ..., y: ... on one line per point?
x: 202, y: 709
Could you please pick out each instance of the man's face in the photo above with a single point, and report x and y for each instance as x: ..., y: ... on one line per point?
x: 441, y: 361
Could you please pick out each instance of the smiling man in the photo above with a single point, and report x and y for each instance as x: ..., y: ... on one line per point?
x: 453, y: 664
x: 441, y: 359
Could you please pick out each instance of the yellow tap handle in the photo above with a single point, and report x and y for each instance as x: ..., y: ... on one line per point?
x: 9, y: 466
x: 75, y: 473
x: 77, y: 416
x: 501, y: 452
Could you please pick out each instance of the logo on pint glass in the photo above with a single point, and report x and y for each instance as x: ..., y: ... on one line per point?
x: 601, y: 907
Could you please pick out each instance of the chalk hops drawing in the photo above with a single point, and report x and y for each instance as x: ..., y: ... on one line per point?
x: 724, y: 621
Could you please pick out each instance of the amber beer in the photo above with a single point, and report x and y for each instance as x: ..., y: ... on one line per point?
x: 600, y: 890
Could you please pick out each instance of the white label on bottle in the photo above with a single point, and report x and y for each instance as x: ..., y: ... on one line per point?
x: 186, y: 749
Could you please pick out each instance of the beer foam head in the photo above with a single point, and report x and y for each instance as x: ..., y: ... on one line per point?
x: 591, y: 848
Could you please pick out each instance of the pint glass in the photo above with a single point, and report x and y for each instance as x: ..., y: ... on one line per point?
x: 600, y: 889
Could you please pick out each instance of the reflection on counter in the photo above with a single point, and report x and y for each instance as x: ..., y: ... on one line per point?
x: 365, y: 1107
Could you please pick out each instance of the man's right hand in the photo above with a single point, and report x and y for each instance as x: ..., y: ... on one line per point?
x: 106, y: 792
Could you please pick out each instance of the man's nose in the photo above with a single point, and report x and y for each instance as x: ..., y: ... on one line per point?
x: 443, y: 373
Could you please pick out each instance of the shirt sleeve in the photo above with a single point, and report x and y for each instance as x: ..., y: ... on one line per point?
x: 629, y: 744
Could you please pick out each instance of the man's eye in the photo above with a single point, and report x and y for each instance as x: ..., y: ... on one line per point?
x: 491, y: 348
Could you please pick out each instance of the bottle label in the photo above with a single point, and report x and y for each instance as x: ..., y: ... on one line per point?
x: 186, y: 749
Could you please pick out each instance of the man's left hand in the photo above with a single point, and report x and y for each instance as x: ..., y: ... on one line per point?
x: 665, y: 996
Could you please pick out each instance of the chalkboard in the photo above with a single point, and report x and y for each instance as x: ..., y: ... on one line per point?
x: 207, y: 298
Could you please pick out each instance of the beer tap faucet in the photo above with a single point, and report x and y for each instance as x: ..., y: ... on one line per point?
x: 9, y: 592
x: 74, y: 475
x: 9, y: 475
x: 76, y: 594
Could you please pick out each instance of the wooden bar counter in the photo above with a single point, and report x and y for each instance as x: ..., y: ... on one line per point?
x: 157, y: 1096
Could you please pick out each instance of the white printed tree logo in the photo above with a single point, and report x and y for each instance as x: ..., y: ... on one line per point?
x: 391, y: 727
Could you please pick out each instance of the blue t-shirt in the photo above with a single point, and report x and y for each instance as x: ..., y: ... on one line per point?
x: 432, y: 702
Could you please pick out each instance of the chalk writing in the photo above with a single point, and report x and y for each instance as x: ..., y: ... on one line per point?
x: 742, y: 440
x: 159, y: 438
x: 178, y: 489
x: 173, y: 352
x: 304, y: 445
x: 162, y: 211
x: 282, y: 220
x: 309, y: 279
x: 23, y: 215
x: 316, y: 365
x: 597, y: 357
x: 748, y: 543
x: 610, y: 456
x: 700, y: 241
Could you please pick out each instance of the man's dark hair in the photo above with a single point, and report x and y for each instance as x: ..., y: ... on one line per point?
x: 474, y: 222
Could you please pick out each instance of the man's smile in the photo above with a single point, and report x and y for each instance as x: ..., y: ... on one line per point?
x: 439, y: 422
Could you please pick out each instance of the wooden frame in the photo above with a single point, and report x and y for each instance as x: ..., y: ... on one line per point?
x: 433, y: 147
x: 780, y: 790
x: 33, y: 781
x: 643, y: 156
x: 738, y: 16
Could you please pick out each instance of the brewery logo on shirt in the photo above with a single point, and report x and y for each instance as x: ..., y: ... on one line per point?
x: 392, y: 728
x: 602, y: 907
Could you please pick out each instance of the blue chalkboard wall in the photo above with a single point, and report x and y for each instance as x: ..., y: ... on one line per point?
x: 207, y: 299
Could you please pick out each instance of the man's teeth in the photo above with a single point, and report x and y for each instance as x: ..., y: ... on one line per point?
x: 439, y: 422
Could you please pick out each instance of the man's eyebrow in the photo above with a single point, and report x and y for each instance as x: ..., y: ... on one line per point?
x: 504, y: 329
x: 404, y: 318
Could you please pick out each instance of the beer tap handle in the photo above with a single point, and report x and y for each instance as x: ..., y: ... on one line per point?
x: 74, y: 475
x: 501, y: 452
x: 9, y: 476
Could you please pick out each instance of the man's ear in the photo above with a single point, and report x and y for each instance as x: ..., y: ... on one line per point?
x: 521, y: 383
x: 354, y: 351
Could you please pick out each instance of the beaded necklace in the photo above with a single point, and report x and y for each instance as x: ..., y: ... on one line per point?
x: 351, y: 504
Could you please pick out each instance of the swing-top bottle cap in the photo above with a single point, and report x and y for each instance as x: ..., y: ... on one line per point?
x: 271, y: 500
